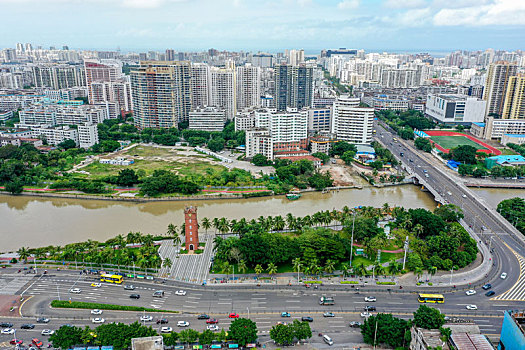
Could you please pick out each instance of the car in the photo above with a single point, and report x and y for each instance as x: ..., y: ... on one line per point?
x: 503, y: 275
x: 307, y: 319
x: 425, y: 170
x: 180, y: 292
x: 328, y: 340
x: 203, y: 317
x: 470, y: 292
x: 96, y: 285
x: 166, y: 330
x: 328, y: 314
x: 212, y: 321
x: 134, y: 296
x: 370, y: 299
x: 212, y: 327
x: 8, y: 331
x: 490, y: 293
x: 6, y: 325
x: 355, y: 324
x: 38, y: 343
x: 98, y: 320
x: 47, y: 332
x: 129, y: 287
x: 183, y: 324
x: 366, y: 314
x: 96, y: 312
x: 75, y: 290
x: 449, y: 193
x: 370, y: 308
x: 16, y: 342
x: 426, y: 175
x: 233, y: 315
x: 285, y: 314
x: 471, y: 307
x: 487, y: 286
x: 162, y: 321
x: 464, y: 196
x: 27, y: 326
x: 42, y: 320
x: 146, y: 318
x: 158, y: 294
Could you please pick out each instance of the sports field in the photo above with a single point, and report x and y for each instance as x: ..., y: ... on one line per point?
x: 449, y: 142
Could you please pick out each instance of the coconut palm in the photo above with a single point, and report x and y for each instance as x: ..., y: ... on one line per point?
x: 23, y: 254
x: 172, y: 230
x: 394, y: 268
x: 289, y: 220
x: 329, y: 266
x: 380, y: 270
x: 272, y: 269
x: 359, y: 269
x: 177, y: 240
x: 344, y: 269
x: 215, y: 224
x: 224, y: 226
x: 241, y: 266
x: 258, y: 269
x: 167, y: 263
x: 386, y: 209
x: 418, y: 229
x: 147, y: 240
x: 432, y: 271
x: 206, y: 224
x: 418, y: 272
x: 278, y: 223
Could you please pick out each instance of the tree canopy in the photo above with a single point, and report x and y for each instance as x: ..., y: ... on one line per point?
x: 428, y: 318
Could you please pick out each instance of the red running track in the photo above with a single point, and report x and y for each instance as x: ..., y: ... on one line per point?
x: 489, y: 150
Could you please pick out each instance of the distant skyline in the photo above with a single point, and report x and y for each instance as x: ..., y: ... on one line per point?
x: 266, y: 25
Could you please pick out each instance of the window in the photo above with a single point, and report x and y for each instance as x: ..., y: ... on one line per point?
x: 190, y: 227
x: 191, y: 239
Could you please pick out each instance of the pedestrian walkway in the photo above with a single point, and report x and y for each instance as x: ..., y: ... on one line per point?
x: 517, y: 291
x: 11, y: 283
x: 191, y: 268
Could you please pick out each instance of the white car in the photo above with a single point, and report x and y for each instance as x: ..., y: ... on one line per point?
x: 370, y: 298
x: 98, y: 320
x: 8, y: 331
x: 183, y: 324
x: 96, y: 312
x: 472, y: 307
x: 470, y: 292
x: 47, y: 332
x: 180, y: 292
x: 366, y: 314
x: 212, y: 327
x: 464, y: 196
x: 166, y: 330
x: 146, y: 318
x: 75, y: 291
x: 503, y: 275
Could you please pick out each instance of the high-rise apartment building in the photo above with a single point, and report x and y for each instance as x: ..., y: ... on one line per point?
x: 58, y: 76
x: 293, y: 86
x: 498, y: 77
x: 161, y: 93
x: 200, y: 85
x: 170, y: 55
x: 223, y: 90
x: 248, y: 87
x: 352, y: 123
x: 100, y: 72
x: 514, y: 104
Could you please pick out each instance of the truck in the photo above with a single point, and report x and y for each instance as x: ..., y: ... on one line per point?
x: 324, y: 300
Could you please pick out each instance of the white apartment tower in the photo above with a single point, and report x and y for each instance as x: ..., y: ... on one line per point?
x: 223, y: 90
x: 352, y: 123
x: 248, y: 87
x: 200, y: 85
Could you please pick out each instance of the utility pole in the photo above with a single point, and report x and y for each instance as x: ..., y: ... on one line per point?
x: 352, y: 241
x: 406, y: 249
x: 451, y: 270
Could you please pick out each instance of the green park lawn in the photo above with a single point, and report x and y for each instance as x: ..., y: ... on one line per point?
x: 449, y: 142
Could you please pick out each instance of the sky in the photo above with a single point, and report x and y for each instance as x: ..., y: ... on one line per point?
x: 265, y: 25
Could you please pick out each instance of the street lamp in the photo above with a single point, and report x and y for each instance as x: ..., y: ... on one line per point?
x: 352, y: 240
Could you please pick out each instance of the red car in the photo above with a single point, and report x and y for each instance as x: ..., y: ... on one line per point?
x: 212, y: 321
x: 37, y: 343
x: 233, y: 315
x: 16, y: 342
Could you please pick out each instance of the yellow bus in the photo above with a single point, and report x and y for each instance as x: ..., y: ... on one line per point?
x: 111, y: 278
x: 431, y: 298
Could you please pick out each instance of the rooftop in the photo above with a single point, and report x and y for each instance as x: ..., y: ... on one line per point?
x: 466, y: 341
x: 509, y: 159
x: 365, y: 149
x: 515, y: 135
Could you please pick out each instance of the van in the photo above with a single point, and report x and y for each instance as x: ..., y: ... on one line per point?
x: 328, y: 340
x: 158, y: 294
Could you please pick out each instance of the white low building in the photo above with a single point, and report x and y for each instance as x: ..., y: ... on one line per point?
x: 259, y: 141
x: 207, y: 119
x: 455, y: 109
x: 87, y: 135
x: 55, y: 135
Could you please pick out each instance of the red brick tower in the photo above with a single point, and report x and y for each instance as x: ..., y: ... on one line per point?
x: 192, y: 228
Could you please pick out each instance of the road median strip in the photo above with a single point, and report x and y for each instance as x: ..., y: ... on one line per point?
x: 84, y: 305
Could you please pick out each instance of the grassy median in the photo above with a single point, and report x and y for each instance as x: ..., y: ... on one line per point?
x: 83, y: 305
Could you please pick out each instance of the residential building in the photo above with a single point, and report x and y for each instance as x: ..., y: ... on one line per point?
x: 514, y: 104
x: 66, y: 94
x: 425, y: 339
x: 293, y: 86
x: 352, y: 123
x: 320, y: 119
x: 161, y: 93
x: 223, y: 89
x: 100, y: 72
x: 518, y: 139
x: 207, y: 119
x: 262, y: 60
x: 87, y: 135
x: 248, y: 86
x: 512, y: 331
x: 5, y: 115
x: 244, y: 120
x: 58, y: 76
x: 455, y: 109
x: 382, y: 102
x: 54, y: 113
x: 323, y: 102
x: 496, y: 128
x: 4, y: 141
x: 55, y: 135
x: 496, y: 85
x: 322, y: 143
x: 259, y: 141
x: 200, y: 85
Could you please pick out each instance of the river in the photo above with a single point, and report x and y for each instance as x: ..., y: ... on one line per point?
x: 37, y: 221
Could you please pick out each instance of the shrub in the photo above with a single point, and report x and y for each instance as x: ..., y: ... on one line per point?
x: 84, y: 305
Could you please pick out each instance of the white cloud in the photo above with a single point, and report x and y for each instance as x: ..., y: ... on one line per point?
x: 348, y: 4
x: 304, y: 2
x: 497, y: 12
x: 448, y: 4
x: 400, y: 4
x: 414, y: 18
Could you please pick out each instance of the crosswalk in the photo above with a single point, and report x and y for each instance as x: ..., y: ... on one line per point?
x: 11, y: 283
x: 517, y: 291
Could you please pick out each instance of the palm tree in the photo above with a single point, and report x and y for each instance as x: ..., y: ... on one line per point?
x: 360, y: 269
x: 167, y: 263
x: 258, y: 269
x: 177, y: 240
x: 329, y: 266
x: 418, y: 272
x: 272, y: 269
x: 172, y: 230
x: 289, y: 220
x: 241, y: 266
x: 23, y: 254
x: 206, y: 224
x: 147, y: 240
x: 344, y: 269
x: 225, y: 268
x: 394, y: 268
x: 379, y: 270
x: 432, y: 271
x: 297, y: 266
x: 224, y: 226
x: 418, y: 229
x: 215, y: 224
x: 278, y: 223
x: 386, y: 209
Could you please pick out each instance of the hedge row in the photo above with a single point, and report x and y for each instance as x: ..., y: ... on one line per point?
x: 349, y: 282
x: 84, y: 305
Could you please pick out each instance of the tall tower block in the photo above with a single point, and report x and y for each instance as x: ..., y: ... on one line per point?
x: 192, y: 228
